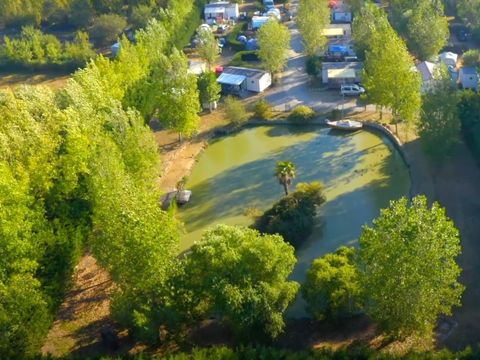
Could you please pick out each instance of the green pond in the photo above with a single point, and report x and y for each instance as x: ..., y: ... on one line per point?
x: 361, y: 173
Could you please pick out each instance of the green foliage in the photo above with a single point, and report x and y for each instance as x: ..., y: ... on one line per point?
x: 313, y: 16
x: 293, y: 216
x: 106, y: 28
x: 313, y: 65
x: 369, y: 20
x: 469, y: 113
x: 241, y: 277
x: 140, y: 16
x: 407, y: 267
x: 209, y: 88
x: 416, y: 20
x: 471, y: 58
x: 262, y: 109
x: 469, y: 11
x: 18, y: 13
x: 232, y: 37
x: 274, y: 42
x: 235, y: 111
x: 35, y: 49
x: 388, y: 76
x: 243, y: 59
x: 439, y: 125
x: 332, y: 289
x: 208, y: 49
x: 301, y: 114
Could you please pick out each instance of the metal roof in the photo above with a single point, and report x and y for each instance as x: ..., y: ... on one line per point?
x: 231, y: 79
x: 341, y: 73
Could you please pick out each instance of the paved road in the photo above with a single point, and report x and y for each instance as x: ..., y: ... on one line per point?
x: 294, y: 87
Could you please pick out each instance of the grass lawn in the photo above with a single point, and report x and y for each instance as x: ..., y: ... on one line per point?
x: 53, y: 79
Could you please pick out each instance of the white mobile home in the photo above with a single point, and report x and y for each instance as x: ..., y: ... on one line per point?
x: 222, y: 10
x: 334, y: 74
x: 468, y: 78
x: 237, y: 79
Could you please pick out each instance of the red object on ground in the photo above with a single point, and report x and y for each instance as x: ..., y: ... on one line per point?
x: 332, y: 3
x: 218, y: 69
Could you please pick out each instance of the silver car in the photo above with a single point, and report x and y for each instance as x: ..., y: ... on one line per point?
x: 351, y: 90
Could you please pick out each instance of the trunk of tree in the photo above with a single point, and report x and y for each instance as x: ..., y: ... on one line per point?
x: 285, y: 187
x: 210, y: 106
x: 180, y: 138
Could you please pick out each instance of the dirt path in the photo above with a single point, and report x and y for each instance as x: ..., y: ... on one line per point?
x: 85, y: 310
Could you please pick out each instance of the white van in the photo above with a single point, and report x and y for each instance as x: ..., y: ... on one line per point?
x: 351, y: 90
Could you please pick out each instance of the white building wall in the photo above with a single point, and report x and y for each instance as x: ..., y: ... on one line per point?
x: 259, y: 84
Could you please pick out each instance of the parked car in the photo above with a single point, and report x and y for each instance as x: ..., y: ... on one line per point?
x: 351, y: 90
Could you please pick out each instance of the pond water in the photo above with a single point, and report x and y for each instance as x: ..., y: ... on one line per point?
x: 361, y: 173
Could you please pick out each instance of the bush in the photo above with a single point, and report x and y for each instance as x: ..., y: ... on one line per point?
x: 293, y: 216
x: 332, y: 289
x: 235, y: 111
x: 241, y: 58
x: 335, y: 114
x: 106, y: 28
x: 313, y: 65
x: 232, y: 38
x: 263, y: 110
x: 471, y: 58
x: 301, y: 113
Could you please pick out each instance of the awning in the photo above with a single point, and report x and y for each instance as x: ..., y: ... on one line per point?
x: 341, y: 74
x: 231, y: 79
x: 330, y: 32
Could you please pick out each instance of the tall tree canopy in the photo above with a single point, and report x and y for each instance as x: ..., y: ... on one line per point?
x: 241, y: 276
x: 389, y: 76
x: 408, y: 269
x: 313, y: 16
x: 274, y: 43
x: 469, y: 10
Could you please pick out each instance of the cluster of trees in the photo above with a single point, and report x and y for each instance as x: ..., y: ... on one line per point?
x: 423, y: 25
x: 34, y: 49
x: 79, y: 167
x: 388, y: 76
x: 312, y: 18
x: 403, y: 274
x: 274, y: 42
x: 469, y: 11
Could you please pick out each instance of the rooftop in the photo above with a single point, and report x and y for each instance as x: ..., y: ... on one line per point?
x: 247, y: 72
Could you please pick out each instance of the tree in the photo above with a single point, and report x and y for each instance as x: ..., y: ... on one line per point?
x: 313, y: 16
x: 209, y: 89
x: 388, y: 76
x: 332, y: 288
x: 369, y: 20
x: 140, y: 16
x: 242, y: 277
x: 407, y: 267
x: 469, y: 10
x: 208, y: 48
x: 471, y: 58
x: 439, y: 125
x: 285, y: 173
x: 274, y: 43
x: 106, y: 28
x: 469, y: 113
x: 422, y: 40
x: 293, y: 216
x: 235, y: 111
x: 263, y: 109
x: 81, y: 13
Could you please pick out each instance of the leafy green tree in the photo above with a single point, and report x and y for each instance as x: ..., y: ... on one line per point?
x: 469, y: 113
x: 106, y: 28
x: 19, y: 13
x: 140, y: 16
x: 471, y: 58
x: 274, y: 43
x: 439, y: 125
x: 388, y: 76
x: 235, y: 111
x: 285, y: 173
x: 313, y: 16
x: 263, y: 109
x: 209, y: 89
x: 369, y: 20
x: 293, y: 216
x: 79, y: 51
x: 407, y: 267
x: 469, y: 10
x: 420, y: 19
x: 332, y: 288
x: 208, y: 48
x: 81, y: 13
x: 242, y: 277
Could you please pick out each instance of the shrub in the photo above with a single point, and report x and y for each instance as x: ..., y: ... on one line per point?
x: 313, y: 65
x: 301, y: 113
x: 232, y: 38
x: 106, y: 28
x: 263, y: 110
x: 293, y: 216
x: 471, y: 58
x: 335, y: 114
x: 332, y: 289
x: 241, y: 58
x: 235, y: 111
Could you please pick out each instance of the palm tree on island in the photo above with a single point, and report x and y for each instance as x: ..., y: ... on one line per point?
x: 285, y: 173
